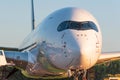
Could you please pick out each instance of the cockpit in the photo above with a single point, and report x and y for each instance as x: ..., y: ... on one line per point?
x: 86, y: 25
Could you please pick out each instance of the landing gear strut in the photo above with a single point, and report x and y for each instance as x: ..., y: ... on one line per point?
x: 80, y: 74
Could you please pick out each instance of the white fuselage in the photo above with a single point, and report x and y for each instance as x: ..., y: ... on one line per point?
x: 68, y: 48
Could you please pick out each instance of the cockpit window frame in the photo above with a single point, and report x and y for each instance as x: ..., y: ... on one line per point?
x: 85, y: 25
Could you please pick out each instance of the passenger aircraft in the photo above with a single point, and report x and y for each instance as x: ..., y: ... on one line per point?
x: 67, y: 43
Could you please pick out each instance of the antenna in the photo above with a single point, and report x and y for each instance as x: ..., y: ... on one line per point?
x: 32, y: 13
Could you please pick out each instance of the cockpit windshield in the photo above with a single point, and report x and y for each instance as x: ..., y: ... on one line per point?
x: 86, y: 25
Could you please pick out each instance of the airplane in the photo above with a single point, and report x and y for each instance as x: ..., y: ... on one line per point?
x: 67, y: 43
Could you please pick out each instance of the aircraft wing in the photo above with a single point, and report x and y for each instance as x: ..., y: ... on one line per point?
x: 108, y: 56
x: 11, y: 56
x: 9, y: 49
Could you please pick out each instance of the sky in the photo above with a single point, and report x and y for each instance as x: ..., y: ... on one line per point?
x: 15, y: 19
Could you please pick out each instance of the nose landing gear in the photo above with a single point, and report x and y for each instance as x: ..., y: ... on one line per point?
x: 78, y: 74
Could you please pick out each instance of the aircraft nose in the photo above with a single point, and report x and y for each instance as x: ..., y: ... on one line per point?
x: 84, y: 50
x: 77, y: 50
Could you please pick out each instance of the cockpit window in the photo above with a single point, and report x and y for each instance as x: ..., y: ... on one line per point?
x: 86, y: 25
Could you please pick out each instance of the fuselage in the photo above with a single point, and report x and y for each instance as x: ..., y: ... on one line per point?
x: 69, y: 38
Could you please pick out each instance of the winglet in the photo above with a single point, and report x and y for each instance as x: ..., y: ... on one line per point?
x: 2, y: 58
